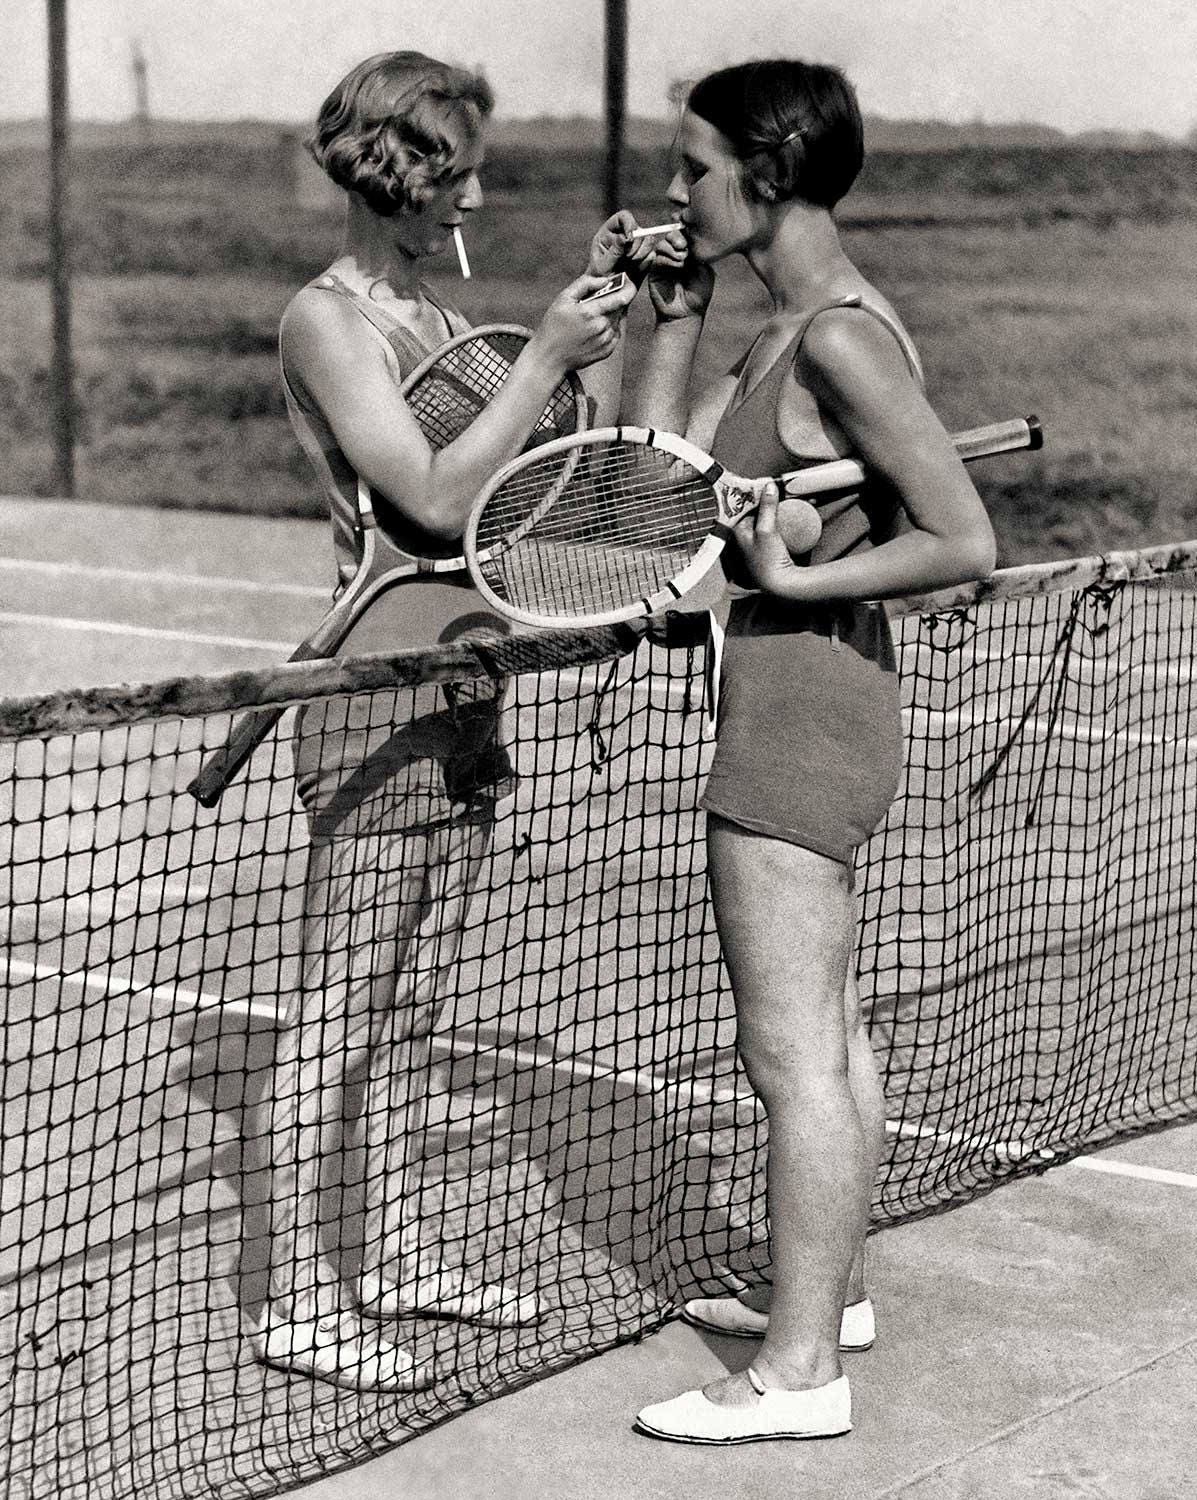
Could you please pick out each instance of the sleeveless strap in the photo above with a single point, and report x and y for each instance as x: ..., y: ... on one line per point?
x: 854, y: 299
x: 389, y: 326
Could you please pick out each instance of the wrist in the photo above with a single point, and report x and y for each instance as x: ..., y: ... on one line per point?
x: 787, y: 581
x: 544, y: 363
x: 679, y: 326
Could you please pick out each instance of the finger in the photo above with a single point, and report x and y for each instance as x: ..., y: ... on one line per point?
x: 765, y: 522
x: 622, y: 223
x: 668, y: 260
x: 585, y: 286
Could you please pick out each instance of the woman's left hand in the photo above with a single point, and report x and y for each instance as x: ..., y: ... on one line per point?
x: 765, y: 555
x: 612, y: 249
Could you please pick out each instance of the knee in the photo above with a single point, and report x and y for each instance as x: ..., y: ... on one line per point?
x: 785, y: 1072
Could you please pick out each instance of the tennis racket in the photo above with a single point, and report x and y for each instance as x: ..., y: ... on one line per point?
x: 445, y: 392
x: 620, y: 522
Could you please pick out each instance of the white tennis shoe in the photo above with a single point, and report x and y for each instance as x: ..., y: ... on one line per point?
x: 692, y: 1417
x: 449, y: 1294
x: 728, y: 1315
x: 338, y: 1350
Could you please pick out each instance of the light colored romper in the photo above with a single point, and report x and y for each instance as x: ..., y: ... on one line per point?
x: 371, y: 765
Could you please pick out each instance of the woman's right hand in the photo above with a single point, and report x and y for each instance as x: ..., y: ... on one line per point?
x: 579, y: 329
x: 680, y: 286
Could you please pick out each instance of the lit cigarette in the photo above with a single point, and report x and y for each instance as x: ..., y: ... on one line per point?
x: 462, y: 258
x: 643, y: 234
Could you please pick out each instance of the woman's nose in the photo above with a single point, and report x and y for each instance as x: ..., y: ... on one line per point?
x: 470, y: 196
x: 676, y: 192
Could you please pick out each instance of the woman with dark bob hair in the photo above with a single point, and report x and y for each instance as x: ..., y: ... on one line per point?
x: 400, y: 803
x: 808, y: 749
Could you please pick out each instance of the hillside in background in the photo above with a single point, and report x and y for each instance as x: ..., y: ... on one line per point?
x: 576, y: 132
x: 1054, y: 278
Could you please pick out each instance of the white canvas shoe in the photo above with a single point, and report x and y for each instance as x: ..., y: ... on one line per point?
x: 338, y: 1350
x: 449, y: 1295
x: 728, y: 1315
x: 823, y: 1412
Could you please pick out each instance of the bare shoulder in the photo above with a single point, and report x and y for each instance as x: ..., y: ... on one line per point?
x: 322, y: 337
x: 314, y: 314
x: 850, y: 351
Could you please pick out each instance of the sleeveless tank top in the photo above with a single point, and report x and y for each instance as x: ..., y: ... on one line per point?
x: 749, y: 440
x: 809, y: 737
x: 427, y: 610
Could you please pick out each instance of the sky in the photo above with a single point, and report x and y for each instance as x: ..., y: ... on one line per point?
x: 1074, y: 64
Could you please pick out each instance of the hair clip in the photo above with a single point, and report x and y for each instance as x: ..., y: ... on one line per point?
x: 793, y: 136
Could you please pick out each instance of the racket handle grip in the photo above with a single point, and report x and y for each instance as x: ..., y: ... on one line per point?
x: 219, y: 770
x: 999, y: 437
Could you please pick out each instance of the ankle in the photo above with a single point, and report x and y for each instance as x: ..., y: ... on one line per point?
x: 798, y: 1369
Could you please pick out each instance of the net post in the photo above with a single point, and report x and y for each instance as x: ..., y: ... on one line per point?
x: 616, y: 100
x: 62, y: 399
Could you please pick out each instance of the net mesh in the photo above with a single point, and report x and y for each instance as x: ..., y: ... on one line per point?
x: 489, y: 1052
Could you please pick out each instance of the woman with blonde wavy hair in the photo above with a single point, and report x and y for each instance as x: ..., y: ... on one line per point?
x: 400, y: 802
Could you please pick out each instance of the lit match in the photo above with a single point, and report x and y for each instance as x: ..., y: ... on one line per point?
x: 462, y: 258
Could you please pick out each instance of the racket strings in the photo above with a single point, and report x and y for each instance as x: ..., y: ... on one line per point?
x: 597, y: 527
x: 460, y: 385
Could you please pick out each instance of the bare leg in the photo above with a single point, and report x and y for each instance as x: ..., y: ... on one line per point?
x: 362, y: 898
x: 786, y: 924
x: 865, y: 1083
x: 397, y: 1097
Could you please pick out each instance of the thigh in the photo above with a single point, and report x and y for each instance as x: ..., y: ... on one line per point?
x: 785, y: 918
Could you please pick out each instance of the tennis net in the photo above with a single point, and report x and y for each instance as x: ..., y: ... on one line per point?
x: 559, y: 1117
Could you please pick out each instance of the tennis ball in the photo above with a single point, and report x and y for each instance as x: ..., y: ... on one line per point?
x: 798, y: 525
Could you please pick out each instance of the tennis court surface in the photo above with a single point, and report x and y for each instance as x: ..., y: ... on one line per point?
x: 1027, y: 956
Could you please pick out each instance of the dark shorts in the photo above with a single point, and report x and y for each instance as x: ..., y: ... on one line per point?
x: 809, y: 738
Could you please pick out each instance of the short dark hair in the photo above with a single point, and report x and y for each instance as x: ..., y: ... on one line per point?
x: 395, y: 126
x: 795, y: 126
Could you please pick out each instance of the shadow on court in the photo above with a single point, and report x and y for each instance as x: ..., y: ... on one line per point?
x: 1038, y: 1344
x: 1032, y: 1344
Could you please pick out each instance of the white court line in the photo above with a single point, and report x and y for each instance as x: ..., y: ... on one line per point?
x: 955, y: 719
x: 123, y: 986
x: 144, y: 632
x: 1130, y: 1169
x: 171, y: 580
x: 642, y: 1080
x: 1082, y: 668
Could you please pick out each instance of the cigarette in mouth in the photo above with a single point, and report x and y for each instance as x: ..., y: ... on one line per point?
x: 643, y: 234
x: 462, y: 258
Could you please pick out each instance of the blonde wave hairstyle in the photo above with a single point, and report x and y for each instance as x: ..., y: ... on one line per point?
x: 394, y: 127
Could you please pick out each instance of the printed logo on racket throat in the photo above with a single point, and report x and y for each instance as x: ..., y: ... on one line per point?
x: 739, y: 499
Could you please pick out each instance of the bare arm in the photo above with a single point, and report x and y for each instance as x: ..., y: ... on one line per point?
x: 612, y: 250
x: 680, y: 289
x: 856, y: 370
x: 332, y: 353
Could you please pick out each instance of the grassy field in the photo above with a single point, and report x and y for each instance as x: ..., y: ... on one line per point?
x: 1055, y: 280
